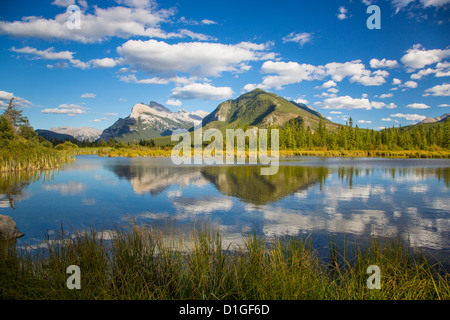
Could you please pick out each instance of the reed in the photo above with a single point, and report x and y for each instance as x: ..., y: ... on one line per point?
x: 145, y: 262
x: 23, y: 156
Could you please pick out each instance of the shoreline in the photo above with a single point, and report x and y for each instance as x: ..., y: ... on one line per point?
x: 164, y: 153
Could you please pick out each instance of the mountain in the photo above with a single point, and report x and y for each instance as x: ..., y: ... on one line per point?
x: 151, y: 121
x: 262, y: 109
x: 80, y: 134
x: 51, y: 135
x: 442, y: 118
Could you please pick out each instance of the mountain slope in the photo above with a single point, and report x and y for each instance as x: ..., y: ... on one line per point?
x: 262, y: 109
x: 51, y: 135
x: 442, y: 118
x: 151, y: 121
x: 81, y: 134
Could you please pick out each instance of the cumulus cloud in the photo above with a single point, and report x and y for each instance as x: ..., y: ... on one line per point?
x: 301, y: 100
x: 47, y: 54
x: 442, y: 70
x: 68, y: 109
x: 4, y: 95
x: 174, y: 102
x: 409, y: 117
x: 88, y: 95
x: 326, y: 85
x: 418, y: 57
x: 103, y: 63
x: 349, y: 103
x: 442, y: 90
x: 284, y: 73
x: 203, y: 91
x: 383, y: 63
x: 50, y: 54
x: 197, y: 58
x: 139, y: 19
x: 410, y: 84
x: 386, y: 95
x: 342, y: 15
x: 417, y: 106
x: 356, y: 72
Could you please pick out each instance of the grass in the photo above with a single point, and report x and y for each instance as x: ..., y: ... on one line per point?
x: 143, y: 262
x: 158, y: 152
x: 22, y: 155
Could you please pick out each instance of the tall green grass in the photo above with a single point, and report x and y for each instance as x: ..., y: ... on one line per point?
x: 22, y: 155
x: 142, y: 262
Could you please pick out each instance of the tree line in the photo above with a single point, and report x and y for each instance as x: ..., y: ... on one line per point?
x: 294, y: 135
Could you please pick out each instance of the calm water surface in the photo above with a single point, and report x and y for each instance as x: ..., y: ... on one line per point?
x: 323, y: 197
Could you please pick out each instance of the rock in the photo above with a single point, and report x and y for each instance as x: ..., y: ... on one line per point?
x: 8, y: 229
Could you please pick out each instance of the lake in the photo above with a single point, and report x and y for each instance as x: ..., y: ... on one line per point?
x: 322, y: 197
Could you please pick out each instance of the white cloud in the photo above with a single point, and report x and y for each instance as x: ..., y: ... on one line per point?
x: 333, y: 90
x: 417, y: 106
x: 418, y: 57
x: 396, y: 81
x: 444, y: 105
x: 50, y: 54
x: 386, y: 95
x: 203, y: 91
x: 88, y: 95
x: 300, y: 100
x: 356, y: 72
x: 103, y: 23
x: 63, y: 3
x: 383, y: 63
x: 4, y: 95
x: 288, y: 73
x: 386, y: 119
x: 207, y: 21
x: 409, y: 117
x: 400, y: 4
x: 328, y: 84
x: 300, y: 38
x: 342, y: 15
x: 349, y: 103
x: 137, y: 3
x: 47, y: 54
x: 103, y: 63
x: 199, y: 58
x: 410, y: 84
x: 391, y: 106
x: 364, y: 121
x: 442, y: 90
x: 99, y: 120
x: 335, y: 112
x: 434, y: 3
x: 442, y: 70
x: 174, y: 102
x: 293, y: 72
x: 196, y: 36
x: 68, y: 109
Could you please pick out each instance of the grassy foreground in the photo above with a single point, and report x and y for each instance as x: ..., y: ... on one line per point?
x: 141, y: 263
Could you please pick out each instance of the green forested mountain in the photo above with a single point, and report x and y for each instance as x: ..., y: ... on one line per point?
x: 262, y: 109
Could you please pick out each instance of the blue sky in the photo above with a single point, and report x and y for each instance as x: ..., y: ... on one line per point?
x: 195, y: 54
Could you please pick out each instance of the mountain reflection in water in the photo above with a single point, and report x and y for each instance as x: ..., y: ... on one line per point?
x: 323, y: 196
